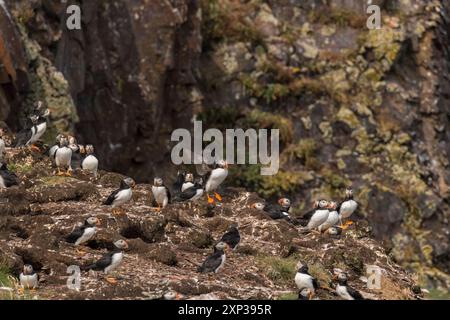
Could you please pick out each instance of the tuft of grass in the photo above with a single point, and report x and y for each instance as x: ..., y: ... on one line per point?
x: 288, y: 296
x: 279, y: 270
x: 20, y: 168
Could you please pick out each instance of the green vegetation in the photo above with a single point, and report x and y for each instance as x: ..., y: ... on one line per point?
x: 279, y: 270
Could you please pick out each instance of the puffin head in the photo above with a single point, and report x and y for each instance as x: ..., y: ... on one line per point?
x: 82, y: 149
x: 321, y: 204
x: 305, y: 294
x: 189, y: 177
x: 258, y: 205
x: 284, y: 202
x: 158, y: 182
x: 222, y: 164
x: 221, y: 246
x: 121, y: 244
x: 341, y: 278
x: 92, y: 221
x: 302, y: 267
x: 89, y: 149
x: 332, y: 205
x: 63, y: 141
x: 171, y: 295
x: 27, y: 269
x: 129, y: 182
x: 349, y: 193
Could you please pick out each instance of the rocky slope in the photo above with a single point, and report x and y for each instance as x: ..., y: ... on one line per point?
x: 356, y: 107
x: 166, y: 248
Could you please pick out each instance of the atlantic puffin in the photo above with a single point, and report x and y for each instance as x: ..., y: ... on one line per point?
x: 275, y: 211
x: 28, y: 278
x: 90, y: 162
x: 344, y: 291
x: 84, y: 233
x: 215, y: 261
x: 110, y: 261
x: 347, y: 207
x: 333, y: 217
x: 319, y: 216
x: 178, y: 184
x: 304, y: 280
x: 191, y: 194
x: 120, y: 196
x: 7, y: 178
x: 52, y: 151
x: 31, y: 135
x: 63, y: 157
x: 161, y: 193
x: 78, y: 151
x: 170, y: 295
x: 188, y: 181
x: 232, y: 237
x: 215, y: 178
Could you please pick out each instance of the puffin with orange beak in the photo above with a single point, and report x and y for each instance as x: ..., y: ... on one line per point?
x: 161, y: 194
x: 304, y: 280
x: 84, y: 233
x: 215, y: 178
x: 110, y: 261
x: 275, y: 211
x: 347, y: 207
x: 121, y: 196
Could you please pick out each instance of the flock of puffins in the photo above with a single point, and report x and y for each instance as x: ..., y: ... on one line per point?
x: 326, y: 216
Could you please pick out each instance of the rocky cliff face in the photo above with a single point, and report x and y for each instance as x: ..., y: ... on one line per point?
x: 355, y: 107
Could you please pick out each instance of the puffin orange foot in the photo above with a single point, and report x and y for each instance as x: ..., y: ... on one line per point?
x: 218, y: 196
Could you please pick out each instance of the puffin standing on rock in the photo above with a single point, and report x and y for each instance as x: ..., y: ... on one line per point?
x: 178, y: 184
x: 347, y: 207
x: 7, y: 178
x: 188, y: 181
x: 215, y: 261
x: 344, y: 291
x: 319, y: 216
x: 84, y: 233
x: 333, y: 217
x: 120, y: 196
x: 215, y: 178
x: 63, y: 157
x: 31, y: 135
x: 190, y: 194
x: 275, y: 211
x: 232, y: 236
x: 53, y: 149
x: 110, y: 261
x: 77, y: 153
x: 28, y: 278
x: 90, y: 162
x: 161, y: 194
x: 304, y: 280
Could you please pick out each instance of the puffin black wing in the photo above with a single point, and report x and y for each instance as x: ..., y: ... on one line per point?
x: 176, y: 187
x: 315, y: 284
x: 185, y: 195
x: 168, y: 194
x: 112, y: 197
x: 274, y: 211
x: 102, y: 263
x: 211, y: 263
x: 75, y: 235
x: 231, y: 238
x: 22, y: 138
x: 354, y: 293
x: 10, y: 179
